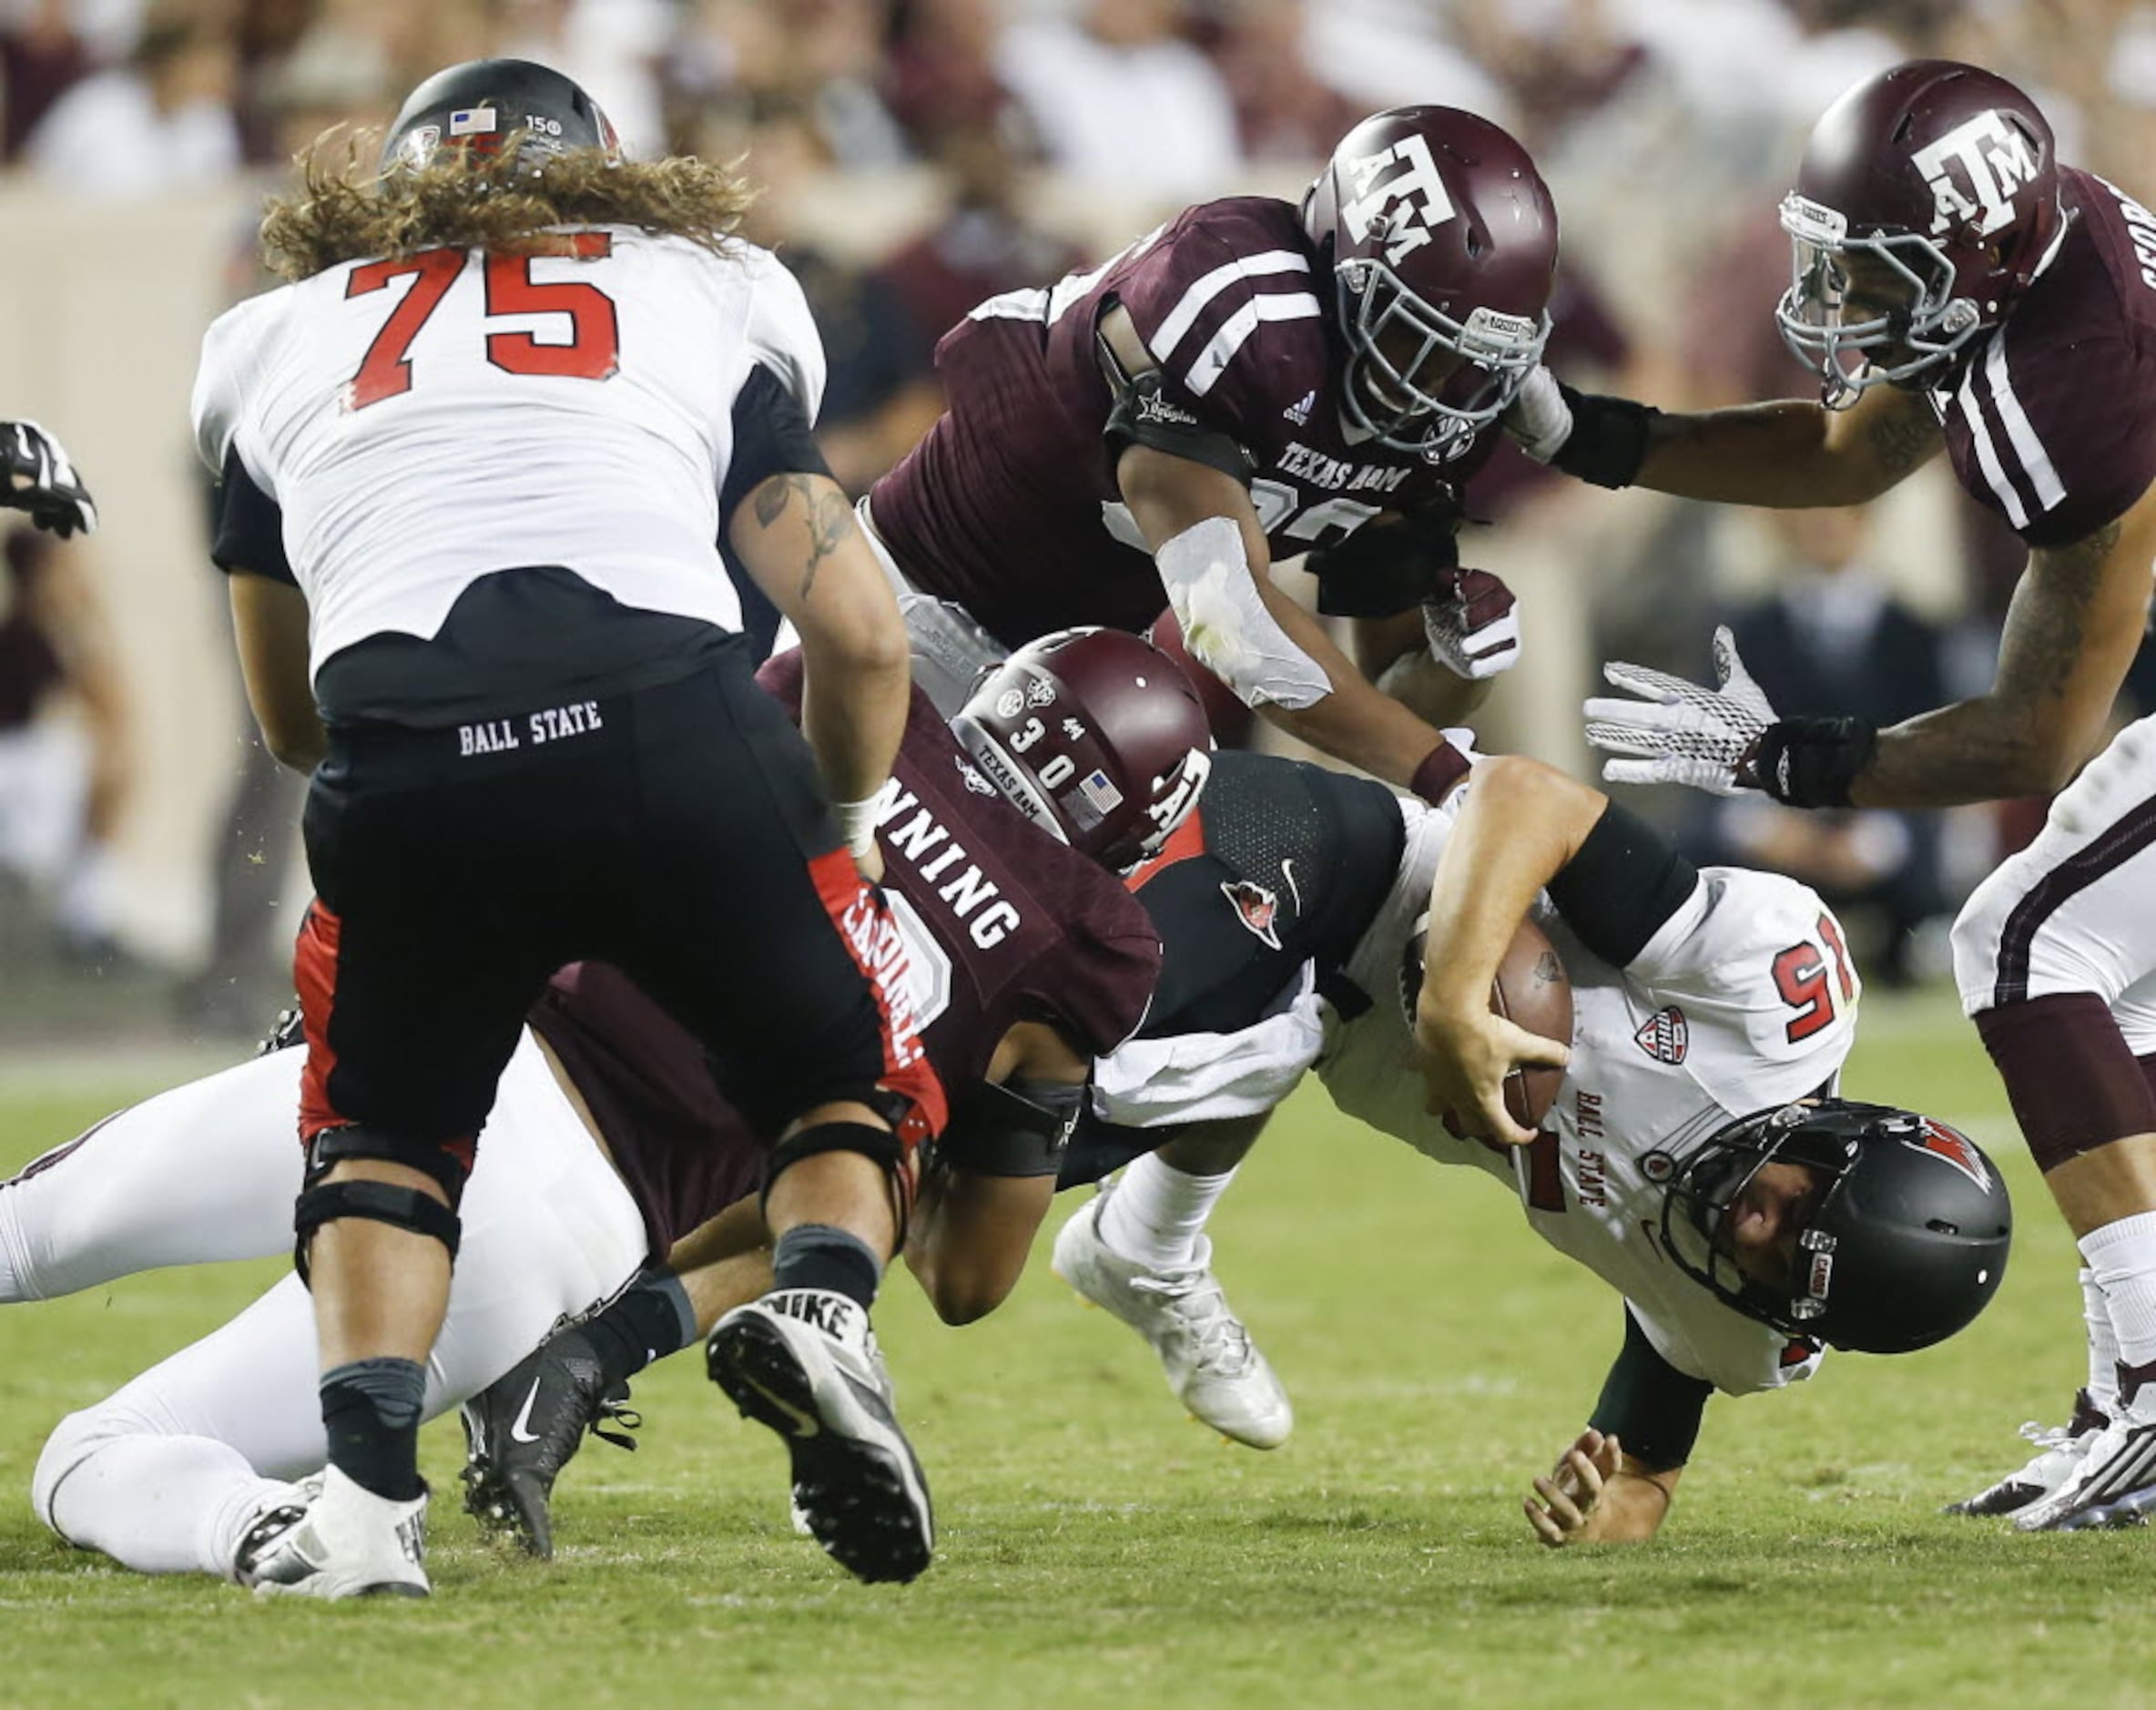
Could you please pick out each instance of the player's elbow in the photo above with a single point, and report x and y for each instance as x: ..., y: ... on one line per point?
x: 964, y: 1296
x: 1520, y: 790
x: 298, y: 744
x: 2046, y: 759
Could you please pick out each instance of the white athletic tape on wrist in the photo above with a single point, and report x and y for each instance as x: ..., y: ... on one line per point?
x: 857, y: 821
x: 1214, y: 594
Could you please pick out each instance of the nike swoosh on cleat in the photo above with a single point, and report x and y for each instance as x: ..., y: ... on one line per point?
x: 805, y: 1424
x: 517, y: 1433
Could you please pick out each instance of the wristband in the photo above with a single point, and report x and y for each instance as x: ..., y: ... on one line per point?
x: 857, y: 823
x: 1609, y: 439
x: 1440, y: 770
x: 1810, y: 762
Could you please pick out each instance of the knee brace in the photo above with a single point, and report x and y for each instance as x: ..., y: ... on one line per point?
x: 879, y: 1146
x: 2073, y: 1082
x: 448, y: 1163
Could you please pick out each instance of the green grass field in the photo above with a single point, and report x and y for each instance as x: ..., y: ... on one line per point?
x: 1096, y: 1548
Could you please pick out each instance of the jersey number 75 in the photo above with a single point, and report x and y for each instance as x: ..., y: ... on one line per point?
x: 593, y: 352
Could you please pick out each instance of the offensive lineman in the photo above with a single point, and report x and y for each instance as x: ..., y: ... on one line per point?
x: 477, y: 459
x: 1026, y: 960
x: 1248, y: 382
x: 1955, y: 285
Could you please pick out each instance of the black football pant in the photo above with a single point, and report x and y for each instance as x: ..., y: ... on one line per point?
x: 677, y: 832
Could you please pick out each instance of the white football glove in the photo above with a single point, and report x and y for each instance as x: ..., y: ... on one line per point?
x: 1678, y: 732
x: 1472, y: 624
x: 1539, y: 419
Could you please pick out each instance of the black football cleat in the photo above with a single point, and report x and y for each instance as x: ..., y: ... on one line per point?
x: 803, y: 1362
x: 526, y: 1427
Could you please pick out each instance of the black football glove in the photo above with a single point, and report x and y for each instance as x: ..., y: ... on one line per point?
x: 37, y: 476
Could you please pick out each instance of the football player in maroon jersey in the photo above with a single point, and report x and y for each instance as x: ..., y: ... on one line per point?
x: 1956, y: 286
x: 1249, y: 382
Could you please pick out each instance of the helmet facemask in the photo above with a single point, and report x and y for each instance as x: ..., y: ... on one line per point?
x: 1711, y: 1186
x: 1900, y: 285
x: 1418, y: 381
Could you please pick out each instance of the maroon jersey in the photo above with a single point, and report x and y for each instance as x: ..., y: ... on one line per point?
x: 1003, y: 924
x: 1009, y: 506
x: 2052, y: 424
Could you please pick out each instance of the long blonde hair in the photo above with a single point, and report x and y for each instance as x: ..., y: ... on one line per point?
x: 345, y: 211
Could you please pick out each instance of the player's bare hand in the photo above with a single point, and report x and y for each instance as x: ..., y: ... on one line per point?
x: 1465, y: 1060
x: 1566, y: 1506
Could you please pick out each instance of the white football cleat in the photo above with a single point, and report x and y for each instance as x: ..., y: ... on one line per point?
x: 349, y: 1542
x: 1211, y: 1363
x: 803, y: 1362
x: 2118, y: 1462
x: 2059, y: 1449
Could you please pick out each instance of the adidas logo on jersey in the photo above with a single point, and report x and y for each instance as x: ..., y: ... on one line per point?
x: 1299, y: 412
x: 1664, y: 1035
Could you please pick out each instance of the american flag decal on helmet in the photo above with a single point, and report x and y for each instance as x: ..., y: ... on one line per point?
x: 468, y: 121
x: 1102, y: 794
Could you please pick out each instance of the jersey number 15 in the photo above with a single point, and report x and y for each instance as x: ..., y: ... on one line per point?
x: 593, y: 352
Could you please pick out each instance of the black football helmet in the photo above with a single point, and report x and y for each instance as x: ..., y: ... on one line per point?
x: 1906, y: 1242
x: 485, y: 107
x: 1095, y: 737
x: 1927, y: 202
x: 1442, y: 241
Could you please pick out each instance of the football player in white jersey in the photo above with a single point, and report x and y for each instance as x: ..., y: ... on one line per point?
x: 37, y: 476
x: 1694, y: 1158
x: 479, y: 459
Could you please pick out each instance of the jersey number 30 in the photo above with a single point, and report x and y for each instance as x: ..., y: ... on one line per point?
x: 593, y: 352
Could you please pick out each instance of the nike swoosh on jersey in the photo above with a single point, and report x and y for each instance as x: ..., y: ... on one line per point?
x: 1294, y: 890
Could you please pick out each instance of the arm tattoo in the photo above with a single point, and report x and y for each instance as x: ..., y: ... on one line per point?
x: 2046, y: 629
x: 828, y: 516
x: 1902, y: 439
x: 1991, y: 746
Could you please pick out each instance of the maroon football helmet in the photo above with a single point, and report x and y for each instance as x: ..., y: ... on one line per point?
x: 1442, y: 240
x: 1095, y: 737
x: 1928, y: 201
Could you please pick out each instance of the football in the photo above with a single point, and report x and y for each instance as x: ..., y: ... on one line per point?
x: 1533, y: 990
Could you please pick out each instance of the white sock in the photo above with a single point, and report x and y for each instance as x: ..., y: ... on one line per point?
x: 1156, y: 1213
x: 2103, y: 1344
x: 2121, y: 1259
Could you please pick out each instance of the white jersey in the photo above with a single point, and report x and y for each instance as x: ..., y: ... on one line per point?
x: 1743, y: 1000
x: 422, y: 422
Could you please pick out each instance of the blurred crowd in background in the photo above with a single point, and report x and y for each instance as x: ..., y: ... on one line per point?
x: 919, y: 155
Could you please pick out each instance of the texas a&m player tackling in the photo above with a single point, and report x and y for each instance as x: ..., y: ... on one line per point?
x: 477, y: 458
x: 1955, y: 285
x: 1249, y: 382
